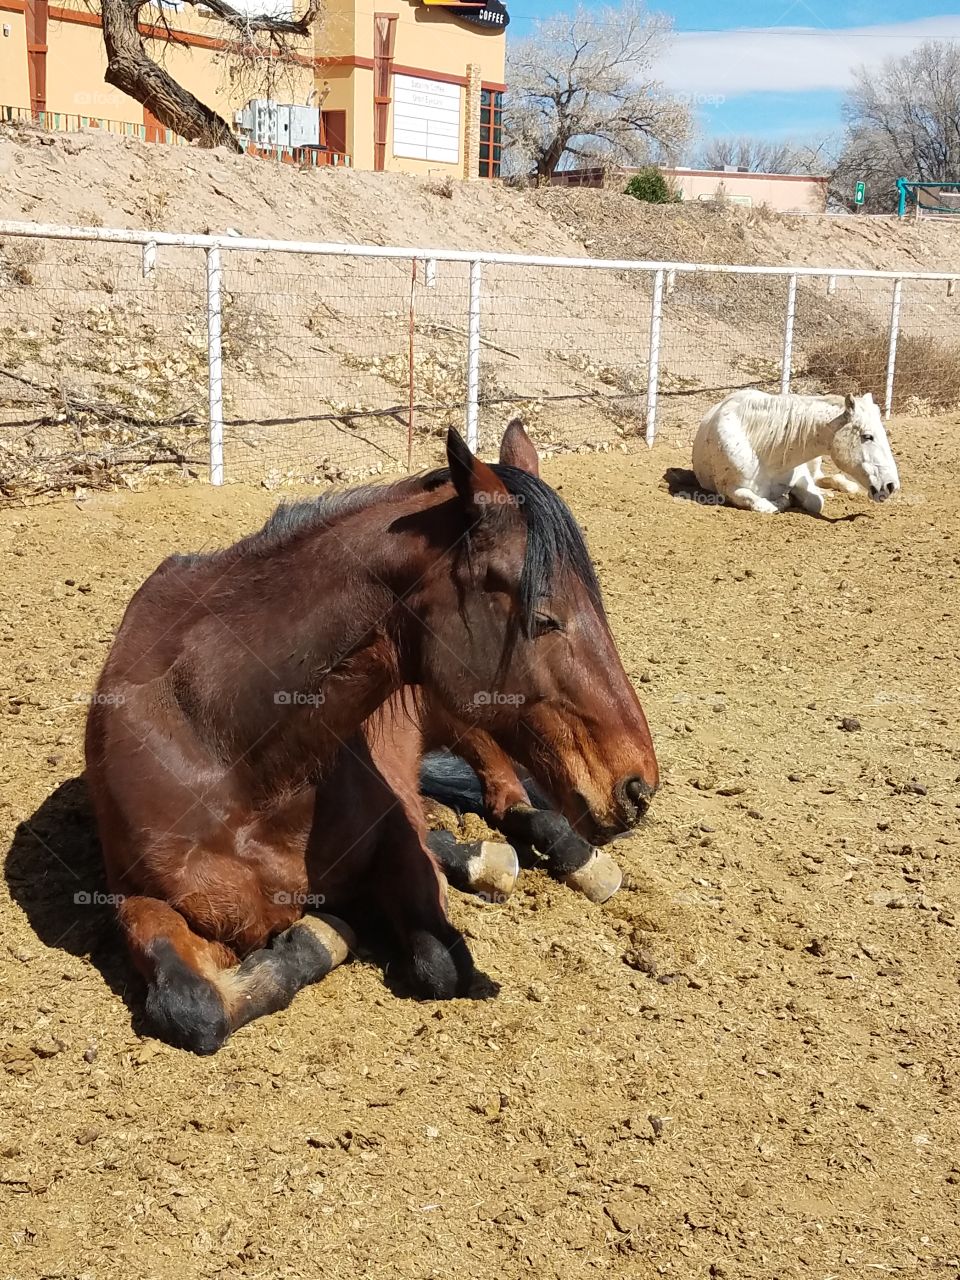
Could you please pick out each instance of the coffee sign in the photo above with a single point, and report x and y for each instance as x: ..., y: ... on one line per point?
x: 491, y: 14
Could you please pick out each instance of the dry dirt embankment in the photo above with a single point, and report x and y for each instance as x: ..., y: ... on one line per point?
x: 96, y: 362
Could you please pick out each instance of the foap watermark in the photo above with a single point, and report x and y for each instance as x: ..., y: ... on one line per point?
x: 100, y: 699
x: 86, y: 98
x: 701, y: 497
x: 96, y: 898
x: 294, y: 898
x: 494, y: 698
x: 499, y: 499
x: 298, y: 698
x: 700, y: 99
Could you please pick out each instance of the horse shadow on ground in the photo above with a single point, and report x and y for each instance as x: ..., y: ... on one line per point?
x: 54, y: 871
x: 683, y: 485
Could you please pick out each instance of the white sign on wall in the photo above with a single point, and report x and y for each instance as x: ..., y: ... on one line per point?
x: 426, y: 119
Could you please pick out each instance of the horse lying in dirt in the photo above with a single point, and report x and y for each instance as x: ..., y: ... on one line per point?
x: 761, y: 451
x: 228, y: 746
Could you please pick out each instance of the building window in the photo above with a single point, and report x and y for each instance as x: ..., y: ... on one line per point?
x: 491, y: 132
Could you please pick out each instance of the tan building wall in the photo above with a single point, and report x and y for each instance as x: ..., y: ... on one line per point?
x: 430, y: 43
x: 785, y: 193
x: 76, y: 61
x: 335, y: 71
x: 14, y: 84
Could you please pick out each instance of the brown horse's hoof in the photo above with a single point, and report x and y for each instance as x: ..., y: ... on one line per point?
x: 598, y: 879
x: 334, y: 934
x: 492, y: 870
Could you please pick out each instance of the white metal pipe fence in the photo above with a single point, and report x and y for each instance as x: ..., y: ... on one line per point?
x: 322, y: 339
x: 786, y: 359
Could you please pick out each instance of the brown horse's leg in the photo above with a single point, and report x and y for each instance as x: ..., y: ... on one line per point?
x: 507, y: 806
x: 197, y: 994
x: 486, y: 868
x: 406, y: 880
x: 409, y: 888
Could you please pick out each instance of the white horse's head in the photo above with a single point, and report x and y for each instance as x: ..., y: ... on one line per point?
x: 861, y: 449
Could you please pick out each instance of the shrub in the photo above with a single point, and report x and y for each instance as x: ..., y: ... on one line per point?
x: 650, y: 185
x: 927, y: 371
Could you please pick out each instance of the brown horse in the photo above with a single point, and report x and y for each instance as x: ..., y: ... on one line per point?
x: 229, y: 742
x: 505, y: 798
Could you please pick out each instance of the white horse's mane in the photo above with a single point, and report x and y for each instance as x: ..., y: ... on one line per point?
x: 768, y: 420
x: 775, y: 424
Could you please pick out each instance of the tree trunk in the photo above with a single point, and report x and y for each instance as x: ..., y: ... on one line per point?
x: 548, y: 160
x: 130, y: 69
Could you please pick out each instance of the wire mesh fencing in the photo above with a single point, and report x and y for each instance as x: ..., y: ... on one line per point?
x: 130, y: 353
x: 102, y: 371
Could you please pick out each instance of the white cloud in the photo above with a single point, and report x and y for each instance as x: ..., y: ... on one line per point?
x: 788, y: 59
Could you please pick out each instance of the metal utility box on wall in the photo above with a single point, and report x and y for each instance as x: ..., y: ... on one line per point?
x: 304, y: 126
x: 279, y: 124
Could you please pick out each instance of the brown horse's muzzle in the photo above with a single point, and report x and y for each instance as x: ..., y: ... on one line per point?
x: 634, y: 795
x: 625, y: 810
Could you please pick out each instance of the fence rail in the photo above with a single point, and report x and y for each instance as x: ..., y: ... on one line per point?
x: 77, y: 121
x: 302, y: 341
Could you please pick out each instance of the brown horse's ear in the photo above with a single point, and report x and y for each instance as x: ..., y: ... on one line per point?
x: 518, y: 450
x: 478, y: 488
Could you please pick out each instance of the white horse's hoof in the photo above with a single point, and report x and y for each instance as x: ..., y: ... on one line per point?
x: 598, y: 879
x: 493, y: 870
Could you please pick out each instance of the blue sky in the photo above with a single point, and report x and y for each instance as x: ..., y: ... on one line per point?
x: 775, y: 68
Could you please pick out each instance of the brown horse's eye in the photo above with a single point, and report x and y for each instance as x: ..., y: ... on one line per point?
x: 543, y: 622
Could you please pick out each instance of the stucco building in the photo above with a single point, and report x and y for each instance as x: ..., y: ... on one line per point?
x: 783, y: 192
x: 412, y: 85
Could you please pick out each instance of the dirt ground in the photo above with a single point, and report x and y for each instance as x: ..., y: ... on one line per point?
x: 746, y: 1065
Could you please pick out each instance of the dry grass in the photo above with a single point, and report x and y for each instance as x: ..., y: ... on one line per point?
x: 927, y: 371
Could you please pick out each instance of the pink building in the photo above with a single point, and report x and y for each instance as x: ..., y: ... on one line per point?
x: 784, y: 192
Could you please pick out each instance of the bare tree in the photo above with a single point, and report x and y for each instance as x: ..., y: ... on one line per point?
x: 131, y: 68
x: 581, y: 87
x: 903, y: 121
x: 757, y: 155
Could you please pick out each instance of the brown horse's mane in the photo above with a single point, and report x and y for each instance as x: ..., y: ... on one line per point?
x: 555, y: 542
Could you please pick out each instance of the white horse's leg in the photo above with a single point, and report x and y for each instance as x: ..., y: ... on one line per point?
x: 840, y: 482
x: 747, y: 500
x: 803, y: 490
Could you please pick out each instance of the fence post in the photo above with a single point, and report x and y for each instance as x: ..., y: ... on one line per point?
x: 215, y: 362
x: 653, y: 361
x: 892, y: 348
x: 473, y: 359
x: 788, y: 336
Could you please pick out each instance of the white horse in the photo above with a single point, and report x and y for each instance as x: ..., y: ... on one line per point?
x: 759, y: 451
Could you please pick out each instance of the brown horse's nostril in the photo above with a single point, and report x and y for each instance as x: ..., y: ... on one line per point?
x: 635, y: 795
